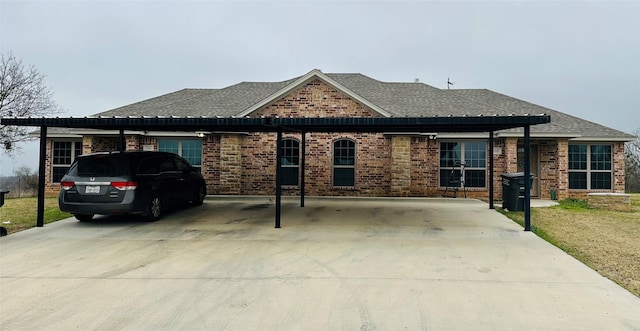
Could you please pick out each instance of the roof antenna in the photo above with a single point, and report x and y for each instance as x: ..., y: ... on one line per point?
x: 449, y: 83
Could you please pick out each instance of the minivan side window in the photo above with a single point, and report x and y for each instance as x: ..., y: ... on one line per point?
x: 156, y: 165
x: 166, y: 165
x: 182, y: 165
x: 147, y: 166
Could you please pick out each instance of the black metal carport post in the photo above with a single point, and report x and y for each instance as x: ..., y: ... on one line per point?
x: 278, y: 178
x: 527, y: 178
x: 121, y: 141
x: 491, y: 206
x: 302, y: 166
x: 41, y: 173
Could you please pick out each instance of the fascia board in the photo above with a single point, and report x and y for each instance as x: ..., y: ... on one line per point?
x: 315, y: 73
x: 536, y: 135
x: 143, y: 133
x: 171, y: 134
x: 463, y: 135
x: 189, y: 134
x: 94, y: 132
x: 56, y: 135
x: 409, y: 133
x: 115, y: 133
x: 604, y: 139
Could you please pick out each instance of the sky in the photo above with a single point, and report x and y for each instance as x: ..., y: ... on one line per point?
x: 577, y: 57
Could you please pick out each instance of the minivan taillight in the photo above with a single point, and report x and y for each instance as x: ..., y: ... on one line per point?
x: 124, y: 186
x: 67, y: 185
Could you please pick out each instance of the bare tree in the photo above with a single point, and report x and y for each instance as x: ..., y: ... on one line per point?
x: 27, y: 181
x: 22, y: 94
x: 632, y: 164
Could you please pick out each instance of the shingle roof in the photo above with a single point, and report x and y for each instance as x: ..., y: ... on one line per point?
x: 396, y: 99
x: 225, y: 102
x: 413, y: 99
x: 561, y: 123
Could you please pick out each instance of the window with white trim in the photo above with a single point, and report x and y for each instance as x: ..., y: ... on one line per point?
x: 473, y: 154
x: 344, y: 163
x: 290, y: 162
x: 190, y: 149
x: 64, y: 153
x: 590, y: 167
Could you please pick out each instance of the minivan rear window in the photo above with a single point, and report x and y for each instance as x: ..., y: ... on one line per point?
x: 101, y: 166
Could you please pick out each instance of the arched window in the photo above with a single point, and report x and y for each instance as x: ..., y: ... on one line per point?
x: 290, y: 162
x: 344, y: 163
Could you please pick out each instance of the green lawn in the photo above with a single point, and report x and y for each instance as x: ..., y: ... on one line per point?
x: 607, y: 241
x: 20, y: 213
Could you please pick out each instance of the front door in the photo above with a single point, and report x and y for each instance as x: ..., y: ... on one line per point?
x: 534, y: 159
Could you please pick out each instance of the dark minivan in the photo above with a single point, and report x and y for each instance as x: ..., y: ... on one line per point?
x: 129, y: 183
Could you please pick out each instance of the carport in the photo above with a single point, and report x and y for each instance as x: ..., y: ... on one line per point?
x: 305, y: 125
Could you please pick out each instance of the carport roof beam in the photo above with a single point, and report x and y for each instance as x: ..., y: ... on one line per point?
x: 308, y: 124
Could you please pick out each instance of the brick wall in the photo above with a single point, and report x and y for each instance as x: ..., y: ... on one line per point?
x: 424, y: 167
x: 549, y: 173
x: 146, y: 141
x: 211, y: 163
x: 316, y: 99
x: 372, y: 163
x: 400, y: 166
x: 500, y: 164
x: 132, y: 143
x: 104, y: 144
x: 563, y: 169
x: 87, y: 144
x: 610, y: 201
x: 510, y: 151
x: 230, y: 164
x: 618, y: 167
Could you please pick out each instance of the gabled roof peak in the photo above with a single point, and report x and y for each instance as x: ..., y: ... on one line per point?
x: 300, y: 81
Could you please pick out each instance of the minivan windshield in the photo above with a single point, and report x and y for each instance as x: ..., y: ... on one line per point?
x: 101, y: 166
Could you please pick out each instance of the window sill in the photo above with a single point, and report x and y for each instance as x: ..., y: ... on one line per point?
x: 344, y: 188
x: 472, y: 189
x: 584, y: 190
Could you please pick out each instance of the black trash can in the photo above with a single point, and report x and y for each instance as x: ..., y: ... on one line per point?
x: 2, y: 193
x: 513, y: 191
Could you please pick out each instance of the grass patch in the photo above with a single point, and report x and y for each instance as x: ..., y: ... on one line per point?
x: 573, y: 204
x: 605, y: 240
x: 21, y: 213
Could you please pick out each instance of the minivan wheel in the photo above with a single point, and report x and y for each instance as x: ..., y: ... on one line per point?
x: 199, y: 196
x: 83, y: 217
x: 154, y: 209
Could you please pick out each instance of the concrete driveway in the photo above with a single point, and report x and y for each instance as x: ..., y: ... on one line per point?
x: 337, y: 264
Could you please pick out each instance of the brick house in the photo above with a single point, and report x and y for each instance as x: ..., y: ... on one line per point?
x: 570, y: 155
